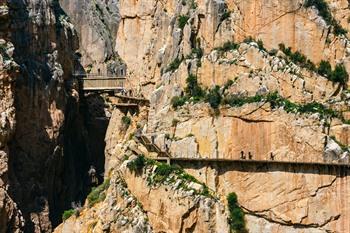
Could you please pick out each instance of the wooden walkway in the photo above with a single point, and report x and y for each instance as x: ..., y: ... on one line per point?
x: 127, y: 105
x: 165, y: 156
x: 96, y: 82
x: 131, y: 98
x: 252, y: 161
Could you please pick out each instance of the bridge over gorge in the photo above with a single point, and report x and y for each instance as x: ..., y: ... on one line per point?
x: 122, y: 95
x: 165, y: 156
x: 99, y: 82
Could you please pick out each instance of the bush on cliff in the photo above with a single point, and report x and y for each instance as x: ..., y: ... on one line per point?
x: 214, y: 97
x: 137, y: 164
x: 324, y: 68
x: 174, y: 65
x: 97, y: 194
x: 227, y: 46
x: 236, y: 218
x: 340, y: 74
x: 182, y: 21
x: 178, y: 101
x: 193, y: 90
x: 66, y: 214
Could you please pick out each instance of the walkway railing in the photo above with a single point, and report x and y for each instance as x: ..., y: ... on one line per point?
x: 165, y: 155
x: 336, y: 164
x: 97, y: 82
x: 151, y: 146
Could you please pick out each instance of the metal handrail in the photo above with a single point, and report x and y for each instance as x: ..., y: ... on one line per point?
x: 97, y: 75
x: 339, y: 164
x: 102, y: 78
x: 102, y: 83
x: 145, y: 136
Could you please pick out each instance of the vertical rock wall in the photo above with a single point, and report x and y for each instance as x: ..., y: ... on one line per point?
x: 47, y: 159
x: 96, y: 23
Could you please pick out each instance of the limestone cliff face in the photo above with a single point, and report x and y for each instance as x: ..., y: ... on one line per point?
x: 96, y: 23
x: 277, y: 198
x: 254, y: 129
x: 39, y: 107
x: 10, y: 216
x: 157, y: 40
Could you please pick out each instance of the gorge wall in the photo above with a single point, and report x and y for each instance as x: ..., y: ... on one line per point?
x: 45, y: 156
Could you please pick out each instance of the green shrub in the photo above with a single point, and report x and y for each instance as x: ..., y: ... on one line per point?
x: 174, y: 65
x: 188, y: 177
x: 261, y: 45
x: 225, y: 15
x: 126, y: 120
x: 131, y: 136
x: 227, y: 46
x: 340, y: 74
x: 248, y: 40
x: 236, y: 218
x: 236, y: 101
x: 297, y: 58
x: 228, y: 84
x: 214, y: 97
x: 178, y: 101
x: 339, y: 30
x: 3, y: 52
x: 97, y: 193
x: 273, y: 52
x: 137, y: 164
x: 198, y: 52
x: 182, y: 21
x: 67, y: 213
x: 205, y: 191
x: 193, y: 89
x: 324, y: 68
x: 162, y: 172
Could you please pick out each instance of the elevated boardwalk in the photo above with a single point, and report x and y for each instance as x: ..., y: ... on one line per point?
x: 132, y: 98
x: 97, y: 82
x: 252, y: 161
x: 165, y: 156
